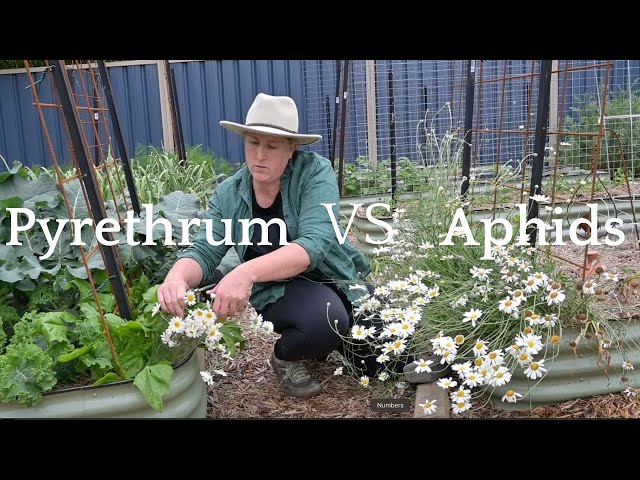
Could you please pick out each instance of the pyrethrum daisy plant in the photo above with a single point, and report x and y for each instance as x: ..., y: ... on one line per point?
x: 437, y: 305
x: 201, y: 327
x: 484, y: 318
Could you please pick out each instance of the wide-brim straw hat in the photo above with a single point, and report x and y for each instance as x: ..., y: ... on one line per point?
x: 270, y: 115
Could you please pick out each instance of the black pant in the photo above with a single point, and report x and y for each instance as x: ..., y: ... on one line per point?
x: 305, y: 322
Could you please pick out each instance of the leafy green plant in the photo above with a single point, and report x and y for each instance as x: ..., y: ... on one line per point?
x: 65, y: 347
x: 49, y: 306
x: 578, y: 150
x: 365, y: 177
x: 158, y: 173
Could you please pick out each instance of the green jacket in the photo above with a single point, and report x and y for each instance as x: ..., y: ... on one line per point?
x: 308, y: 181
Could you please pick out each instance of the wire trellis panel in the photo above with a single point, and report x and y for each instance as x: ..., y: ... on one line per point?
x: 95, y: 184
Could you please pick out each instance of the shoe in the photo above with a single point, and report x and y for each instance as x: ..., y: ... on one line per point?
x: 295, y: 378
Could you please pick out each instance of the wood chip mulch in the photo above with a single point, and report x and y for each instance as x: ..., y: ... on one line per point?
x: 251, y: 389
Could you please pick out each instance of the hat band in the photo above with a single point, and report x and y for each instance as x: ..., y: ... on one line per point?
x: 271, y: 126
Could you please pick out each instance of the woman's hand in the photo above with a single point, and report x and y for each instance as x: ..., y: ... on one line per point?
x: 231, y: 294
x: 171, y: 296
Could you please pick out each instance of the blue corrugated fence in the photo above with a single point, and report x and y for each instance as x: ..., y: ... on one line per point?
x: 213, y: 90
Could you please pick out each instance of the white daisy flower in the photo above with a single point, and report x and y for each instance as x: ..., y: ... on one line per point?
x: 481, y: 274
x: 206, y: 378
x: 472, y: 316
x: 460, y: 395
x: 446, y: 382
x: 190, y: 297
x: 611, y: 276
x: 177, y: 325
x: 511, y: 396
x: 480, y: 348
x: 461, y: 406
x: 423, y: 365
x: 535, y: 370
x: 267, y: 326
x: 501, y: 376
x: 358, y: 332
x: 589, y: 288
x: 538, y: 197
x: 383, y: 358
x: 507, y: 306
x: 166, y: 338
x: 428, y: 407
x: 555, y: 297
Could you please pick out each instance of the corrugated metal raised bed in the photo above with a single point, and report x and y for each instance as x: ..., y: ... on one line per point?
x: 577, y: 373
x: 186, y: 399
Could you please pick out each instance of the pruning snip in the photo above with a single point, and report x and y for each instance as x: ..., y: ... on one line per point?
x: 205, y: 288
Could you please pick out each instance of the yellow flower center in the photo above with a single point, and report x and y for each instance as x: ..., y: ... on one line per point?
x: 478, y: 362
x: 493, y: 355
x: 531, y: 343
x: 553, y: 294
x: 459, y: 339
x: 508, y: 303
x: 530, y: 283
x: 524, y: 357
x: 510, y: 393
x: 460, y: 393
x: 534, y: 366
x: 499, y: 375
x: 555, y: 339
x: 479, y: 346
